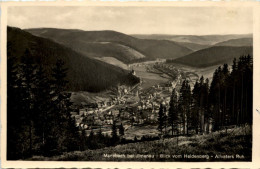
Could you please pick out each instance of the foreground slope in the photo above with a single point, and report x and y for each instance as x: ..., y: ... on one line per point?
x: 89, y: 42
x: 217, y: 146
x: 214, y: 56
x: 83, y: 73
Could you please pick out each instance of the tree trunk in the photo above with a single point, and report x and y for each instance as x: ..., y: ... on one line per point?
x: 242, y: 96
x: 172, y: 129
x: 233, y: 104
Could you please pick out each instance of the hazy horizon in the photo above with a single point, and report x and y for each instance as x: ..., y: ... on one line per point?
x: 136, y: 20
x: 160, y: 34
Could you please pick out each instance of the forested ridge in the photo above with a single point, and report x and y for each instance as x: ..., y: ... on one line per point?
x: 88, y: 42
x: 211, y: 56
x: 84, y: 73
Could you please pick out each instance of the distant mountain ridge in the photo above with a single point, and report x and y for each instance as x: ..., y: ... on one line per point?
x: 84, y: 73
x: 123, y: 47
x: 117, y: 48
x: 193, y: 46
x: 237, y: 42
x: 197, y: 39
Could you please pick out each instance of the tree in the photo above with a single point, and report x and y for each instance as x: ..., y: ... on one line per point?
x: 15, y: 115
x: 12, y: 118
x: 135, y: 139
x: 59, y: 116
x: 161, y: 119
x: 195, y: 107
x: 59, y: 77
x: 114, y: 133
x: 121, y: 130
x: 173, y: 114
x: 42, y: 105
x: 184, y: 105
x: 83, y: 140
x: 27, y: 86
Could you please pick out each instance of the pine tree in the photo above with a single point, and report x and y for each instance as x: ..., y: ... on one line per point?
x: 184, y: 105
x: 114, y: 133
x: 135, y: 139
x: 14, y: 115
x: 60, y: 114
x: 42, y: 106
x: 161, y: 119
x: 27, y: 77
x: 173, y: 114
x: 121, y: 130
x: 195, y: 107
x: 83, y: 140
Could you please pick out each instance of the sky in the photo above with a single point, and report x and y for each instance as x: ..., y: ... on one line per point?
x: 137, y: 20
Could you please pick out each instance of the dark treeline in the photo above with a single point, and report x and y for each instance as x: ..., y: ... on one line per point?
x: 38, y: 118
x: 226, y: 101
x: 39, y: 110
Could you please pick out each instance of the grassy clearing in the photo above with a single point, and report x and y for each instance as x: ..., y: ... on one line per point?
x: 217, y: 146
x: 139, y: 131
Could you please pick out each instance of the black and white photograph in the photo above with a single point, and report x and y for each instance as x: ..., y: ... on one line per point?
x: 129, y: 83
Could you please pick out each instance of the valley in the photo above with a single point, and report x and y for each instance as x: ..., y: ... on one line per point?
x: 136, y: 107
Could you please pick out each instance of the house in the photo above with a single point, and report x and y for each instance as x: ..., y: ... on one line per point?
x: 104, y: 104
x: 98, y: 122
x: 140, y: 121
x: 78, y: 119
x: 115, y: 112
x: 108, y: 121
x: 149, y: 106
x: 152, y: 117
x: 82, y: 112
x: 73, y: 114
x: 99, y: 104
x: 96, y: 118
x: 139, y: 108
x: 124, y: 115
x: 101, y: 117
x: 90, y: 112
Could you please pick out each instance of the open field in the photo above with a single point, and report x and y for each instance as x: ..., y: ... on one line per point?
x: 113, y: 61
x: 235, y: 145
x: 149, y: 79
x: 205, y: 72
x: 83, y: 97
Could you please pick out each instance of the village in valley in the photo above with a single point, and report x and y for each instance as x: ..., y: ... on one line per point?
x: 135, y: 108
